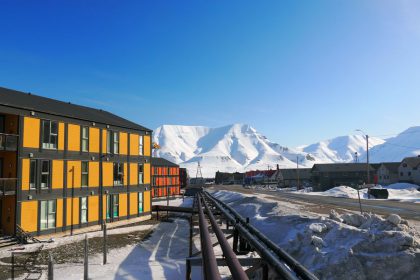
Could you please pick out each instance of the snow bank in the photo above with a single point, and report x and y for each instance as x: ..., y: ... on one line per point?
x: 349, y: 246
x: 399, y: 191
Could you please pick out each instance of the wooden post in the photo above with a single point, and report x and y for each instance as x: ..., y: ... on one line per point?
x: 105, y: 245
x: 13, y: 265
x: 50, y: 268
x: 85, y: 262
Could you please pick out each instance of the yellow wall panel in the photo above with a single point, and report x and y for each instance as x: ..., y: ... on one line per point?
x: 134, y: 144
x: 59, y: 213
x: 93, y: 174
x: 31, y: 130
x: 74, y: 174
x: 123, y: 143
x: 93, y: 208
x: 107, y: 174
x: 104, y: 202
x: 57, y: 174
x: 147, y: 145
x: 134, y: 203
x: 72, y: 208
x: 146, y: 173
x: 94, y: 140
x: 134, y: 178
x: 25, y: 174
x: 104, y: 141
x: 123, y: 204
x: 29, y: 216
x: 61, y: 135
x: 73, y: 137
x: 125, y: 174
x: 146, y: 201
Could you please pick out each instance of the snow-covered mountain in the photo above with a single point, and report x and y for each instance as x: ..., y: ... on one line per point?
x: 405, y: 144
x: 342, y: 148
x: 240, y: 147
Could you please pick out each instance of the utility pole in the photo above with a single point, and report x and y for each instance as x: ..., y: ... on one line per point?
x: 297, y: 171
x: 367, y: 159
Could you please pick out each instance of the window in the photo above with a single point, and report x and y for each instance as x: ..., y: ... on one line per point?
x: 141, y: 145
x: 47, y: 214
x: 140, y: 174
x: 112, y: 143
x: 401, y: 173
x: 85, y: 139
x: 45, y: 174
x: 32, y: 175
x: 116, y: 142
x: 118, y: 174
x: 83, y: 210
x: 49, y: 134
x: 85, y: 173
x: 108, y: 141
x: 108, y: 207
x: 140, y: 202
x: 409, y: 173
x: 115, y: 205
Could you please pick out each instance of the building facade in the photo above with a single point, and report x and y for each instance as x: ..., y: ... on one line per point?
x: 409, y: 170
x: 387, y: 173
x: 66, y: 167
x: 326, y: 176
x: 165, y: 178
x: 183, y: 178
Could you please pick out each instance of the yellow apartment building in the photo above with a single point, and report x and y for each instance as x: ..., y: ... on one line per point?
x: 65, y: 166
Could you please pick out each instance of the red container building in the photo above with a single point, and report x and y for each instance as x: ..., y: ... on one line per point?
x: 165, y: 178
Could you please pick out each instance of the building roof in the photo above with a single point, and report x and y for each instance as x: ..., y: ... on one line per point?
x: 412, y: 161
x: 341, y: 167
x: 157, y: 161
x: 31, y: 102
x: 391, y: 166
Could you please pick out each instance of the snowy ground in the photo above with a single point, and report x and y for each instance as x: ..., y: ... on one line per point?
x: 401, y: 191
x: 160, y: 256
x: 349, y: 246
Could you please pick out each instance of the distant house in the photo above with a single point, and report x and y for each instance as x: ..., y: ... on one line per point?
x: 387, y: 173
x: 292, y: 177
x: 326, y: 176
x: 259, y: 177
x: 408, y: 170
x: 225, y: 178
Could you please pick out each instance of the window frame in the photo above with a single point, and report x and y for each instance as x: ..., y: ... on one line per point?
x: 85, y: 138
x: 142, y: 173
x: 119, y: 173
x: 115, y: 142
x: 49, y: 213
x: 33, y: 176
x: 115, y: 205
x: 42, y: 173
x: 84, y: 211
x: 84, y: 173
x: 140, y: 207
x: 49, y: 145
x: 141, y: 145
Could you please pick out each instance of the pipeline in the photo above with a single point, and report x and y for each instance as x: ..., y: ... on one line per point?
x: 254, y: 235
x: 210, y: 270
x: 232, y: 261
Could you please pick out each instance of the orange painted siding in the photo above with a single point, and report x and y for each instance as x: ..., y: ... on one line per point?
x: 31, y: 131
x: 73, y: 137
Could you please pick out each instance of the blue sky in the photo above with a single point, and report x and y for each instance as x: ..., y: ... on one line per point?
x: 298, y: 71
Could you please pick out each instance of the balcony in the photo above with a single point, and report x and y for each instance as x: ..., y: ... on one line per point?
x: 8, y: 186
x: 8, y: 142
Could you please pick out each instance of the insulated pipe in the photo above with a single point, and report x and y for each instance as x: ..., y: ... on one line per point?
x: 232, y: 261
x: 299, y: 269
x: 210, y: 270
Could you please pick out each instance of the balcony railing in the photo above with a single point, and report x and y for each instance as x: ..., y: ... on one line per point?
x: 8, y: 186
x: 8, y: 142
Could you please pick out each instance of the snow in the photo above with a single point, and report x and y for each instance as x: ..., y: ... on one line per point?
x: 400, y: 191
x: 240, y: 147
x: 362, y: 247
